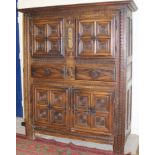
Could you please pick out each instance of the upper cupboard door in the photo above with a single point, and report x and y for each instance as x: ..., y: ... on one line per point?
x: 47, y: 38
x: 95, y: 38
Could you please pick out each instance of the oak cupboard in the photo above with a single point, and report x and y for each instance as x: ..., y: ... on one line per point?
x: 78, y: 71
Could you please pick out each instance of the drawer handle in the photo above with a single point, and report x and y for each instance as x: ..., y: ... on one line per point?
x: 95, y: 74
x: 47, y: 72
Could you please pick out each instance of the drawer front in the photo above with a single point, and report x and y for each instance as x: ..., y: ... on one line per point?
x: 98, y: 73
x: 48, y: 72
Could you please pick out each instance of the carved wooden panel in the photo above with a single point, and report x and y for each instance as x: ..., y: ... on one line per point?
x: 86, y: 47
x: 40, y: 38
x: 80, y: 107
x: 98, y: 73
x: 86, y: 28
x: 47, y: 38
x: 51, y: 106
x: 101, y: 102
x: 58, y: 98
x: 42, y: 96
x: 101, y: 119
x: 59, y: 107
x: 82, y: 119
x: 103, y: 28
x: 41, y: 105
x: 42, y: 114
x: 58, y: 117
x: 92, y: 110
x: 48, y: 71
x: 82, y: 100
x: 94, y: 38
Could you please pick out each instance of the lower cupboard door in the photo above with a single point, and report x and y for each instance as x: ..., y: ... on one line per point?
x: 92, y: 112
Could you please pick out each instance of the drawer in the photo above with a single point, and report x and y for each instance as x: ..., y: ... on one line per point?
x: 48, y: 71
x: 95, y: 72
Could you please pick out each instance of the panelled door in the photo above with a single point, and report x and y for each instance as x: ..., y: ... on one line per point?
x: 47, y: 38
x: 94, y: 38
x: 92, y: 111
x: 50, y: 106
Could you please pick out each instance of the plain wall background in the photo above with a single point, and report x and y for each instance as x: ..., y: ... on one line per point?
x: 136, y: 75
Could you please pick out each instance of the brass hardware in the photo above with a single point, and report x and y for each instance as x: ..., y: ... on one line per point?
x: 70, y: 38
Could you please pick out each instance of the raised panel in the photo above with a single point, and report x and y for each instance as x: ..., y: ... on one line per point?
x: 81, y: 120
x: 81, y: 100
x: 86, y: 47
x: 86, y: 28
x: 48, y: 71
x: 59, y: 107
x: 101, y: 103
x: 40, y: 30
x: 103, y: 47
x: 58, y: 98
x: 47, y: 38
x: 58, y: 117
x: 80, y: 106
x: 101, y: 116
x: 100, y: 123
x: 97, y: 73
x: 42, y: 114
x: 41, y: 97
x: 54, y: 47
x: 103, y: 28
x: 41, y: 100
x: 54, y: 29
x: 95, y: 37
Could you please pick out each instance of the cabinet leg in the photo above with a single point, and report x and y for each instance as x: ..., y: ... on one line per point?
x: 118, y: 146
x: 29, y: 133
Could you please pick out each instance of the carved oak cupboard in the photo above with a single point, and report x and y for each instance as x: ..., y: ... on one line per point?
x: 78, y: 71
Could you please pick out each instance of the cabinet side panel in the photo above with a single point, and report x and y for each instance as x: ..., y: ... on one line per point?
x: 128, y: 75
x: 26, y: 58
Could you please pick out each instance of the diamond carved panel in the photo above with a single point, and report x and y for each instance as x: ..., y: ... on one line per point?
x: 42, y: 97
x: 39, y: 30
x: 100, y: 121
x: 86, y: 28
x: 86, y: 47
x: 82, y: 100
x: 101, y: 103
x: 43, y: 113
x: 81, y: 119
x: 54, y: 47
x: 40, y: 46
x: 58, y: 99
x: 103, y: 46
x: 53, y: 30
x: 58, y: 117
x: 103, y: 28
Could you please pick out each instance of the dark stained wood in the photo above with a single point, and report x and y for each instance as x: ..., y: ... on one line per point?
x: 78, y: 71
x: 95, y: 72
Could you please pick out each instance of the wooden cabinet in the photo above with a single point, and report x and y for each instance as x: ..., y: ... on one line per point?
x: 78, y: 71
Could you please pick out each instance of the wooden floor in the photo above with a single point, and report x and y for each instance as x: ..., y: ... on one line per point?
x: 131, y: 146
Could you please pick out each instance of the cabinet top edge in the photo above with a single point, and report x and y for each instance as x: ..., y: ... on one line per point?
x: 115, y: 4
